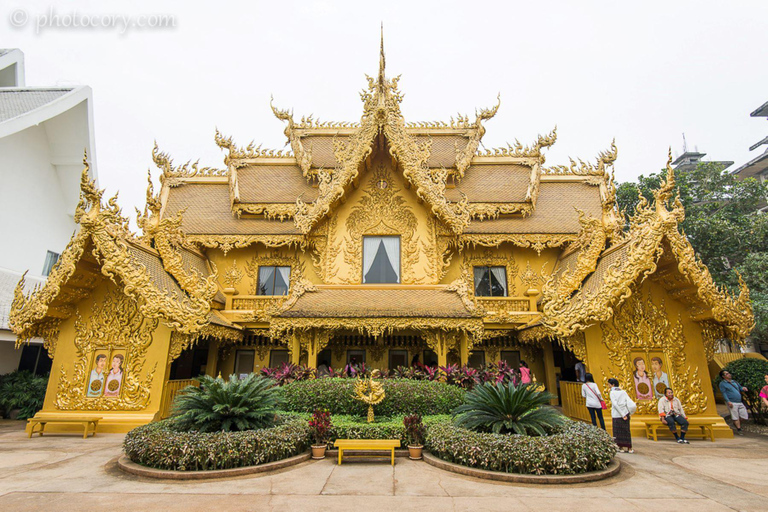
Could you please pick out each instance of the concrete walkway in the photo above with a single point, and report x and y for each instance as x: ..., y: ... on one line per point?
x: 61, y: 473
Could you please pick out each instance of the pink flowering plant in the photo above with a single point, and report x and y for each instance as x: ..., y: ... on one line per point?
x: 320, y: 426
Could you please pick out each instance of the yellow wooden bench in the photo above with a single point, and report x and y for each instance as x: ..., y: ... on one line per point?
x: 368, y: 445
x: 85, y: 421
x: 707, y: 431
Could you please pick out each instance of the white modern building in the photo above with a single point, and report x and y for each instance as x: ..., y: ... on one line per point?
x: 43, y: 133
x: 757, y: 167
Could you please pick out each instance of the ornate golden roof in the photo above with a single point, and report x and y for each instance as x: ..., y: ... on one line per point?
x: 592, y: 282
x: 171, y: 283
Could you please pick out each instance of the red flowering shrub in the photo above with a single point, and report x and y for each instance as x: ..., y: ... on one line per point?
x: 320, y: 426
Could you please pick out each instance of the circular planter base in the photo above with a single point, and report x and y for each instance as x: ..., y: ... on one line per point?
x: 613, y: 468
x: 127, y: 465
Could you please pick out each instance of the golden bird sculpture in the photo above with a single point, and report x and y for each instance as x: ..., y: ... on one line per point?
x: 370, y: 392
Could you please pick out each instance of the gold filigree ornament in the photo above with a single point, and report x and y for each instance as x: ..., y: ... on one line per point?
x: 382, y: 211
x: 382, y: 116
x: 652, y: 228
x: 370, y: 392
x: 115, y: 323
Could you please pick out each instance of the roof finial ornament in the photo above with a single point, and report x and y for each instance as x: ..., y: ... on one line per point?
x: 382, y: 59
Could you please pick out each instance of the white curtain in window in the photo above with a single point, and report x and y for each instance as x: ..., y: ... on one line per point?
x: 392, y: 246
x: 479, y: 273
x: 501, y: 277
x: 266, y: 280
x: 285, y: 273
x: 370, y: 244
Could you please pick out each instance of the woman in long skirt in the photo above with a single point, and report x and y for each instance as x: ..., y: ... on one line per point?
x: 622, y: 408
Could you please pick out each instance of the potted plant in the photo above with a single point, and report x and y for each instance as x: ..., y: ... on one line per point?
x: 414, y: 433
x: 319, y: 427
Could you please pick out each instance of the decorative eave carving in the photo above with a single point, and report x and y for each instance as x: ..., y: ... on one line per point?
x: 277, y: 211
x: 166, y: 236
x: 566, y: 313
x: 303, y: 156
x: 236, y: 154
x: 381, y: 115
x: 535, y: 241
x: 172, y: 175
x: 483, y: 211
x: 519, y: 150
x: 228, y: 242
x: 103, y: 226
x: 477, y: 130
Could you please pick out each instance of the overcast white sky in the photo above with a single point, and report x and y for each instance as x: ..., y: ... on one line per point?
x: 642, y: 72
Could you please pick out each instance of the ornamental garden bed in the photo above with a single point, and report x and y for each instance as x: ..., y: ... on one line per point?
x: 246, y: 423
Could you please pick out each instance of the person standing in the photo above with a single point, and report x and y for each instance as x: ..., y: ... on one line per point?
x: 764, y: 393
x: 731, y: 391
x: 622, y: 408
x: 581, y: 371
x: 671, y: 413
x: 525, y: 373
x: 595, y: 403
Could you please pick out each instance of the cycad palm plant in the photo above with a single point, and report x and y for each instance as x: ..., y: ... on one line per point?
x: 505, y: 408
x: 238, y: 404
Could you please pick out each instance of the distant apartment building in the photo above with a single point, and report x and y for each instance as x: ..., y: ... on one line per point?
x: 758, y: 166
x: 43, y: 133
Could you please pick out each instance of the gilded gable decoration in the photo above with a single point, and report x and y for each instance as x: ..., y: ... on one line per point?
x: 116, y: 326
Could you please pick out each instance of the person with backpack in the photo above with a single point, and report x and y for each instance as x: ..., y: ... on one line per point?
x: 595, y: 402
x: 622, y: 409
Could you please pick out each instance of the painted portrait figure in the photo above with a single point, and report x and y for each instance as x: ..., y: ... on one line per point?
x: 96, y: 380
x: 642, y: 380
x: 115, y: 377
x: 660, y: 378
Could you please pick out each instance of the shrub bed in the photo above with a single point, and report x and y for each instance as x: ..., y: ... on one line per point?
x: 162, y: 445
x: 572, y: 449
x: 355, y: 427
x: 403, y: 396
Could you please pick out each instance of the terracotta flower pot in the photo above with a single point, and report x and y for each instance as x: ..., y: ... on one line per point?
x: 414, y: 451
x: 318, y: 451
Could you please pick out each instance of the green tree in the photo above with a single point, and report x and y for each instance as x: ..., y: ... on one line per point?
x: 722, y: 224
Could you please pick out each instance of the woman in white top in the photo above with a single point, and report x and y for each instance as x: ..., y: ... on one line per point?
x: 591, y: 392
x: 622, y: 408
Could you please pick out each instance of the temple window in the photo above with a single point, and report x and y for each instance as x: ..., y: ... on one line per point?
x: 274, y: 280
x: 490, y: 281
x: 398, y: 358
x: 476, y: 359
x: 511, y: 357
x: 50, y: 260
x: 381, y: 259
x: 244, y: 360
x: 355, y: 356
x: 278, y: 357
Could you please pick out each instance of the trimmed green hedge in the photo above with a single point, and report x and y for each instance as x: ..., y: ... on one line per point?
x: 160, y: 445
x: 356, y: 427
x: 576, y: 448
x: 403, y: 396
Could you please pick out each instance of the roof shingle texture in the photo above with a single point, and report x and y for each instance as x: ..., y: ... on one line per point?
x: 14, y: 103
x: 492, y: 184
x: 555, y: 211
x: 372, y: 303
x: 442, y: 153
x: 273, y: 184
x: 208, y: 212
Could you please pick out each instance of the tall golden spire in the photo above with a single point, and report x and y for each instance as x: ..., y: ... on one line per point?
x: 382, y: 59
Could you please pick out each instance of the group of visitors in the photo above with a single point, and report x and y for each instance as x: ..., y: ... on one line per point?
x: 671, y: 412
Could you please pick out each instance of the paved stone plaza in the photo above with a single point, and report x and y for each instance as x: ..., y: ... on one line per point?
x: 65, y: 472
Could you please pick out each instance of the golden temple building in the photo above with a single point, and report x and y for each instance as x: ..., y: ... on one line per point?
x: 375, y: 242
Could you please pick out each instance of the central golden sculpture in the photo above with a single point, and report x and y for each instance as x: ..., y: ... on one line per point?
x: 370, y: 392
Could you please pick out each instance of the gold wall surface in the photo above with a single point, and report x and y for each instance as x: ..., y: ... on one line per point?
x: 108, y: 323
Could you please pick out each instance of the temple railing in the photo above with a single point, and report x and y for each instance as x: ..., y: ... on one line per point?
x: 574, y: 405
x: 257, y: 302
x: 172, y: 388
x: 507, y: 310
